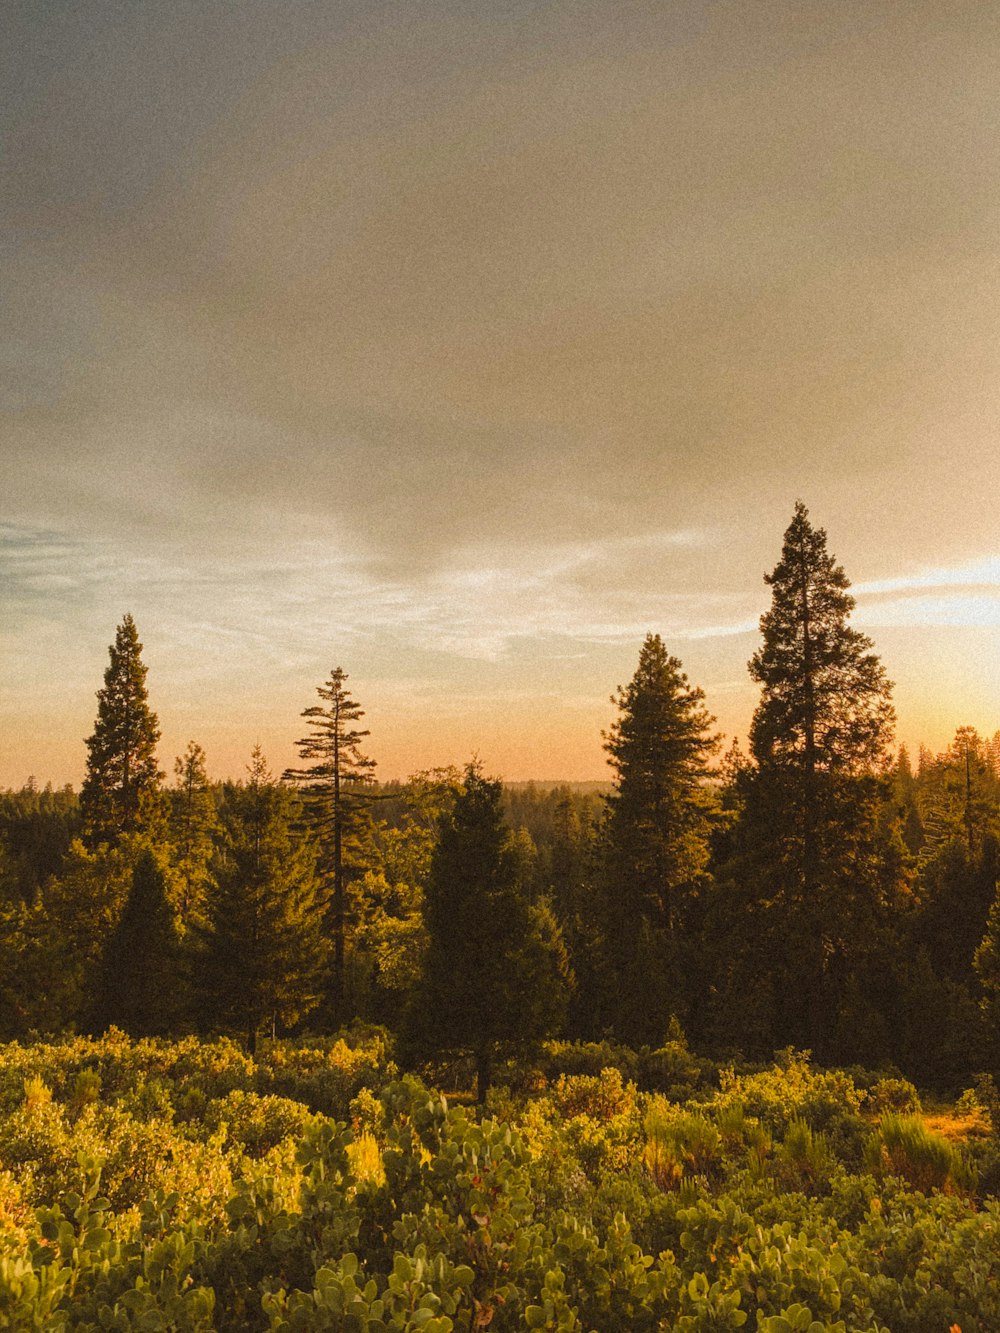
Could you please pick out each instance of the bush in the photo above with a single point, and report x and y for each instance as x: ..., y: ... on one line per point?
x: 673, y: 1071
x: 679, y: 1144
x: 253, y: 1123
x: 905, y: 1148
x: 591, y: 1058
x: 987, y: 1097
x: 325, y: 1074
x: 791, y: 1090
x: 897, y: 1095
x: 804, y: 1160
x: 424, y: 1215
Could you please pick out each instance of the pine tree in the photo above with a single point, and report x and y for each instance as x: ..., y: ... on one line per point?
x: 660, y: 819
x: 570, y: 885
x: 263, y: 953
x: 194, y: 824
x: 138, y: 979
x: 37, y: 826
x: 121, y: 790
x: 820, y: 861
x: 987, y: 956
x: 959, y: 795
x: 825, y: 710
x: 496, y: 974
x: 957, y: 890
x: 337, y: 793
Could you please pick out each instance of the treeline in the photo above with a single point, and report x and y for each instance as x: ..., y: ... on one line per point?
x: 821, y: 891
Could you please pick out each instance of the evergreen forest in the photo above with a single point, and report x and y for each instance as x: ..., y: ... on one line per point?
x: 713, y: 1045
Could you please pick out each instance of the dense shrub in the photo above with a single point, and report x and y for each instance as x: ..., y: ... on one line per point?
x: 569, y: 1058
x: 324, y: 1074
x: 592, y: 1206
x: 675, y: 1072
x: 892, y: 1094
x: 792, y: 1090
x: 679, y: 1144
x: 254, y: 1123
x: 905, y: 1148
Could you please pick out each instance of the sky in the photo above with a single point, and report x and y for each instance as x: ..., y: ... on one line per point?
x: 463, y: 344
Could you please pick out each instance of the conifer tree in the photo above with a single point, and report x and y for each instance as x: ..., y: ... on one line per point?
x: 496, y: 973
x: 194, y: 824
x: 121, y: 791
x: 37, y: 826
x: 819, y: 862
x: 573, y: 873
x: 138, y: 980
x: 959, y: 795
x: 825, y: 711
x: 337, y: 792
x: 660, y: 819
x: 987, y: 957
x: 263, y: 954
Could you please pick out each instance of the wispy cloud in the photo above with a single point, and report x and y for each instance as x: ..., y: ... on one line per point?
x: 963, y: 595
x: 283, y: 609
x: 983, y: 572
x: 969, y: 610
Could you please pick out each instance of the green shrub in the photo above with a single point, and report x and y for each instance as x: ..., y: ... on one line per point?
x: 425, y: 1215
x: 253, y: 1123
x: 679, y: 1144
x: 897, y: 1095
x: 597, y: 1118
x: 602, y: 1096
x: 673, y: 1071
x: 905, y: 1148
x: 326, y: 1074
x: 804, y: 1160
x: 571, y: 1058
x: 791, y: 1090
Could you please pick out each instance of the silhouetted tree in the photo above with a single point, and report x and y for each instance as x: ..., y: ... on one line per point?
x: 37, y: 826
x: 138, y: 983
x: 819, y: 862
x: 496, y: 973
x: 336, y: 790
x: 660, y: 819
x: 571, y: 885
x: 825, y: 711
x: 987, y: 967
x: 958, y: 793
x: 121, y: 790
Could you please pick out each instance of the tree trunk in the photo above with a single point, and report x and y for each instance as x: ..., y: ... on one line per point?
x: 484, y: 1068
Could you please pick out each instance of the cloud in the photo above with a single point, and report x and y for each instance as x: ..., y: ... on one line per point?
x: 423, y: 277
x: 979, y: 610
x: 459, y: 336
x: 970, y: 597
x: 981, y: 572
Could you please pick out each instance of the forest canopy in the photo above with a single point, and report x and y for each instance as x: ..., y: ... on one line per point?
x: 823, y: 891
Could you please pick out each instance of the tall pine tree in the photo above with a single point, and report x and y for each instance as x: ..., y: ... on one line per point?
x: 121, y: 791
x: 660, y: 819
x: 337, y: 792
x: 825, y: 711
x: 817, y: 861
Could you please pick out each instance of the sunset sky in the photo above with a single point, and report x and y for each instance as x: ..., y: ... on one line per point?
x: 461, y: 344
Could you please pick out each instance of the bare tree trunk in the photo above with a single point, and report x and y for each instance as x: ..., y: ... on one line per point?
x: 484, y: 1069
